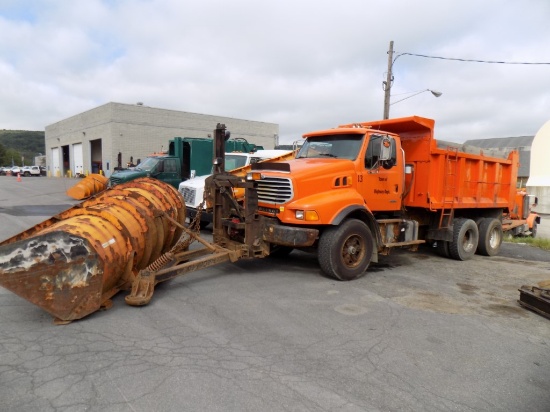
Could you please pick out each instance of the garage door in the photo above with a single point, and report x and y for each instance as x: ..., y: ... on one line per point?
x: 78, y: 159
x: 55, y: 162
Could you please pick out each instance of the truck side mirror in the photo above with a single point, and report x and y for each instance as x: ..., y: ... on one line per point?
x: 385, y: 149
x: 387, y: 153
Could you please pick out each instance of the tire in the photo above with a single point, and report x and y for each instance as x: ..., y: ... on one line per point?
x: 490, y: 237
x: 465, y: 239
x: 534, y: 230
x: 442, y: 248
x: 27, y: 174
x: 345, y: 251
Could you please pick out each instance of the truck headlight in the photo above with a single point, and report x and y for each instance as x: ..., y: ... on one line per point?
x: 309, y: 215
x: 254, y: 176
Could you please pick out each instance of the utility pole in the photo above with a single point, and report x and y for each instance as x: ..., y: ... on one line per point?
x: 388, y: 83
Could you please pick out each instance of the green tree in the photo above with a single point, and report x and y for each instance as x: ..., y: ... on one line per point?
x: 12, y: 156
x: 3, y: 155
x: 26, y: 143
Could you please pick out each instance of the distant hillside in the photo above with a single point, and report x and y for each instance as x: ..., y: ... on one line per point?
x: 17, y: 143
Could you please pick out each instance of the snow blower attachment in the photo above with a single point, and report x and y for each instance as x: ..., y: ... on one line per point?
x: 131, y: 237
x: 89, y: 186
x: 72, y: 264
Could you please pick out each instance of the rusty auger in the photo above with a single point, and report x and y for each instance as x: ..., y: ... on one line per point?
x: 132, y: 237
x: 72, y: 264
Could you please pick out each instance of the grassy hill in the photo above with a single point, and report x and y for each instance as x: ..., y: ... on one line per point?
x: 20, y: 143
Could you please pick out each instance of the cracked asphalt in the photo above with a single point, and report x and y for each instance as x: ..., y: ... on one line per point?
x: 417, y: 333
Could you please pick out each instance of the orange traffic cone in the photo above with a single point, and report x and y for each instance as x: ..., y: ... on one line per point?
x: 18, y: 177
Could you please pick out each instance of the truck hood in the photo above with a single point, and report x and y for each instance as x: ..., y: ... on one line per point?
x: 194, y: 183
x: 311, y: 176
x: 122, y: 176
x: 311, y: 168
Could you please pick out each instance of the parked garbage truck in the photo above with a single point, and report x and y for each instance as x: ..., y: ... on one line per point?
x: 351, y: 194
x: 187, y: 157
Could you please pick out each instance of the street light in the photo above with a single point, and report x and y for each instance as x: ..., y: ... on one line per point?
x: 435, y: 93
x: 387, y: 84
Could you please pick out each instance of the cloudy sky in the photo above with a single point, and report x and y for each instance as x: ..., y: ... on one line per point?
x: 304, y: 64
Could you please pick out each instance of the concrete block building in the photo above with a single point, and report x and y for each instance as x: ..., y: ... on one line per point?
x: 116, y: 134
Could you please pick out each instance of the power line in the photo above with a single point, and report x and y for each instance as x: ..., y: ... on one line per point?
x: 469, y: 60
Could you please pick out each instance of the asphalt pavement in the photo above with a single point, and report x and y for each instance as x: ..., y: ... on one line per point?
x: 417, y: 333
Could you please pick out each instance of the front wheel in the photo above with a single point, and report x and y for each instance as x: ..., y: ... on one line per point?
x: 345, y: 251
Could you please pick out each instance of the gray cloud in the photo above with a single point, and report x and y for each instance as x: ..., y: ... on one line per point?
x: 303, y: 64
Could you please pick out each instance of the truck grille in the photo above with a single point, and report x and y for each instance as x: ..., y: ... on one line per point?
x: 188, y: 194
x: 275, y: 190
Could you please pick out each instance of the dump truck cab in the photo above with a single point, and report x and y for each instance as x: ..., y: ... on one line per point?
x: 335, y: 173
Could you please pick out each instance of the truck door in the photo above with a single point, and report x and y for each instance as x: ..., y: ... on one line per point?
x: 169, y: 171
x: 380, y: 180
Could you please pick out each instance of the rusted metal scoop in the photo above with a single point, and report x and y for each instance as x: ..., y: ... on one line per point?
x: 72, y: 264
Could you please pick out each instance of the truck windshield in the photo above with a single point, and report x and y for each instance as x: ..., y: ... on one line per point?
x: 148, y: 164
x: 339, y: 146
x: 234, y: 161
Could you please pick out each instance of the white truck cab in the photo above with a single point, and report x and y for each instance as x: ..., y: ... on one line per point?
x: 192, y: 190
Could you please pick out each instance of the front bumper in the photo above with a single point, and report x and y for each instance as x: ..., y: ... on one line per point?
x: 293, y: 236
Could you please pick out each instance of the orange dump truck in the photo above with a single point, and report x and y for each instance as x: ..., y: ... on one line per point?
x: 358, y: 190
x: 351, y: 193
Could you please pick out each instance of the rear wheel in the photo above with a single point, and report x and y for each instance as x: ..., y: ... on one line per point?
x: 345, y: 251
x: 442, y: 248
x: 465, y: 239
x: 490, y: 237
